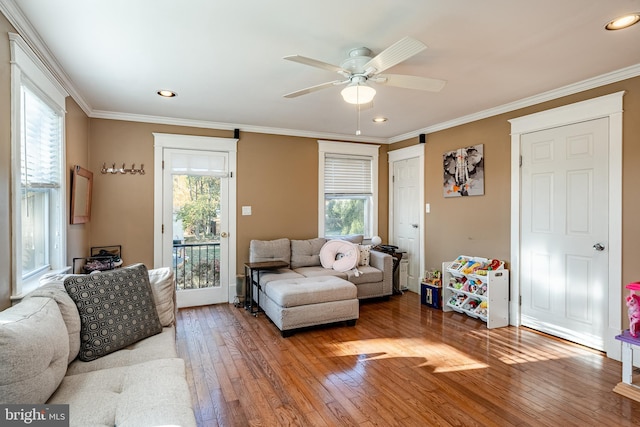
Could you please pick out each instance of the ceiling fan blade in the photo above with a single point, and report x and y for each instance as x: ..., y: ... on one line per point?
x: 395, y: 54
x: 314, y: 63
x: 410, y: 82
x: 314, y: 88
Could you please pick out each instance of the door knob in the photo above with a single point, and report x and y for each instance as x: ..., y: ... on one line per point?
x: 223, y: 234
x: 598, y: 247
x: 414, y: 225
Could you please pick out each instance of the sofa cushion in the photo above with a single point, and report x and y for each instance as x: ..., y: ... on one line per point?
x: 281, y: 273
x: 34, y: 351
x: 160, y: 346
x: 320, y: 271
x: 306, y: 253
x: 365, y: 274
x: 164, y: 294
x: 152, y: 393
x: 310, y: 290
x: 270, y: 250
x: 52, y: 286
x: 116, y: 309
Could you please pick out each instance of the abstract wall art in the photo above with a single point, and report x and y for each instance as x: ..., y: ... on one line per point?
x: 464, y: 172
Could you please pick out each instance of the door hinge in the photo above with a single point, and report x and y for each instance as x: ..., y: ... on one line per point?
x: 393, y: 178
x: 520, y: 300
x: 162, y: 228
x: 163, y: 165
x: 520, y: 161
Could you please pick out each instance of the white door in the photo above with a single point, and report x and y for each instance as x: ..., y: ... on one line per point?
x: 195, y: 218
x: 564, y: 226
x: 406, y: 216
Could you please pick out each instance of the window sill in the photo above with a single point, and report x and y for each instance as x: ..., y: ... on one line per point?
x: 34, y: 282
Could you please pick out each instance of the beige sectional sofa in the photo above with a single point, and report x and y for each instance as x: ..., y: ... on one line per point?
x: 308, y: 294
x: 303, y: 256
x: 43, y: 337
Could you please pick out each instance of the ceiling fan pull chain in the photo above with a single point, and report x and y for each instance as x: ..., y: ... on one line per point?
x: 358, y: 120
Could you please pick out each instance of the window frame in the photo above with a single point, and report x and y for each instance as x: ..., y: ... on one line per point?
x: 354, y: 149
x: 27, y: 70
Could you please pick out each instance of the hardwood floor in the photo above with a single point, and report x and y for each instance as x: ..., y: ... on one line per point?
x: 403, y: 364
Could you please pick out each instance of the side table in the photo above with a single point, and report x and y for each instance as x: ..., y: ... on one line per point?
x: 396, y: 256
x: 252, y: 272
x: 626, y: 387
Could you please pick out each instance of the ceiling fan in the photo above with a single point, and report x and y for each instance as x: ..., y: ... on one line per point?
x: 360, y: 68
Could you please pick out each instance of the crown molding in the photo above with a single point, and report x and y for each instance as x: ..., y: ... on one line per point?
x: 581, y: 86
x: 31, y: 37
x: 110, y: 115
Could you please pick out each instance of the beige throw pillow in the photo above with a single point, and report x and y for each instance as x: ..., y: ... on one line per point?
x: 164, y: 294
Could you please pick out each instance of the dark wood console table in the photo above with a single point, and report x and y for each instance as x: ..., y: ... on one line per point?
x: 252, y: 272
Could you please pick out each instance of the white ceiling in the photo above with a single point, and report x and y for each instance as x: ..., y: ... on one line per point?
x: 224, y: 58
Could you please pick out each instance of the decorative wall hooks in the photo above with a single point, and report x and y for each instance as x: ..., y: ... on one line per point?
x: 122, y: 170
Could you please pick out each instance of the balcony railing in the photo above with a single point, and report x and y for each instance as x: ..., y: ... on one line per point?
x: 196, y: 265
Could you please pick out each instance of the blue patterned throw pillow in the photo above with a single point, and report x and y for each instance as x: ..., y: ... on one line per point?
x: 116, y: 309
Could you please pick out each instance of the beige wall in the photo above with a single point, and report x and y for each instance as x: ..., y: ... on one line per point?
x: 481, y: 225
x: 77, y: 153
x: 5, y: 164
x: 278, y: 178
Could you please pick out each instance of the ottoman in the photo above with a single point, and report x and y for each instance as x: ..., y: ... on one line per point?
x: 309, y: 301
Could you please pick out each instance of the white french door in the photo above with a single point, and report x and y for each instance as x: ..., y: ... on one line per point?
x: 195, y: 205
x: 564, y: 252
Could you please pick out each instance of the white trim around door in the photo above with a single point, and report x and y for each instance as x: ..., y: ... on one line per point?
x: 404, y: 154
x: 202, y: 143
x: 608, y: 106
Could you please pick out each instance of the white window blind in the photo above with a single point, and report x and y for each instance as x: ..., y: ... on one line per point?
x: 197, y: 164
x: 38, y: 210
x: 40, y: 146
x: 347, y: 174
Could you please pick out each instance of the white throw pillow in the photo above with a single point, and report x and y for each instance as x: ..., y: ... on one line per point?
x: 365, y: 254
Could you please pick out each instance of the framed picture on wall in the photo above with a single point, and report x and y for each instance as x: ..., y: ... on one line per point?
x: 463, y: 172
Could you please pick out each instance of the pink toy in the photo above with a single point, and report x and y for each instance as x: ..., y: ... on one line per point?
x: 633, y: 306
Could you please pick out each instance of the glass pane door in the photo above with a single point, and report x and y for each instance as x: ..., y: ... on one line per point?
x: 195, y: 207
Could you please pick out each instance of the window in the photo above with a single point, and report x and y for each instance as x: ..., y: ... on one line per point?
x: 348, y: 191
x: 38, y: 178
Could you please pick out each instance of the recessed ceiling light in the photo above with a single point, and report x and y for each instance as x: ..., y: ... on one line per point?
x: 623, y: 21
x: 379, y: 119
x: 167, y: 93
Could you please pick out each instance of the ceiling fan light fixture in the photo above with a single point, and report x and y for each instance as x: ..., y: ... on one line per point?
x: 358, y: 93
x: 623, y: 22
